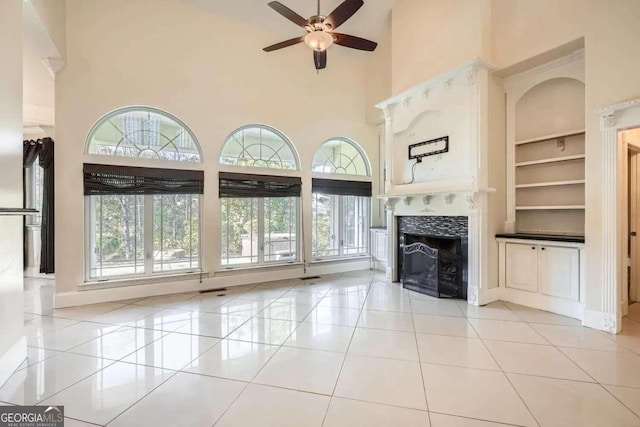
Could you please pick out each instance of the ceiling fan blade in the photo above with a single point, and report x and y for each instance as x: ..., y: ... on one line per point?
x: 288, y: 13
x: 283, y: 44
x: 320, y: 59
x: 355, y: 42
x: 343, y: 12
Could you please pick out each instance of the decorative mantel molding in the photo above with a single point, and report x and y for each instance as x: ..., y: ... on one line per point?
x: 469, y: 69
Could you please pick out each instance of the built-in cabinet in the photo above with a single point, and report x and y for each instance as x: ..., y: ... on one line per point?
x: 379, y: 249
x: 541, y: 255
x: 543, y: 274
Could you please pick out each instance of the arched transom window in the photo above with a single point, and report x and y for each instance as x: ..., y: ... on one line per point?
x: 143, y: 132
x: 261, y: 147
x: 341, y: 156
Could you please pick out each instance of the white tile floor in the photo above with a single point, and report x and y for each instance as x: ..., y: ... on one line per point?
x: 347, y: 350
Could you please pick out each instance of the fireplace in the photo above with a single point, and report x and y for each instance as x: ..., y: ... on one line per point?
x: 432, y: 255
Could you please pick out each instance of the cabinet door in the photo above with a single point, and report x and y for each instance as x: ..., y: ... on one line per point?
x: 522, y: 267
x: 558, y: 272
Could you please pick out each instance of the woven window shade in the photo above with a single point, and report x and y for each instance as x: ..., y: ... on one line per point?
x: 249, y: 185
x: 110, y: 179
x: 342, y: 188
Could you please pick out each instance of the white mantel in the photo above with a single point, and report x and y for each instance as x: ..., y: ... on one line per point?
x: 454, y: 104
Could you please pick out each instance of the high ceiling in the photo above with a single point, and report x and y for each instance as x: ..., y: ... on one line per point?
x: 369, y: 22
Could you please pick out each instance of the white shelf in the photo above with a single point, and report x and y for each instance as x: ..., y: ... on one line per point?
x: 549, y: 208
x: 551, y: 184
x: 552, y: 136
x: 551, y: 160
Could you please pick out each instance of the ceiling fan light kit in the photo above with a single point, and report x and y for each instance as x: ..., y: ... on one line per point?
x: 320, y: 35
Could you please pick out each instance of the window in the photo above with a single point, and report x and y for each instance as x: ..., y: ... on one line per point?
x: 142, y: 221
x: 259, y: 230
x: 341, y: 156
x: 259, y: 146
x: 135, y: 234
x: 259, y: 213
x: 143, y: 132
x: 340, y: 208
x: 34, y: 182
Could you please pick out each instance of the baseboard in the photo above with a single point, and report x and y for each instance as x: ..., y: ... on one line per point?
x: 12, y: 359
x: 228, y: 279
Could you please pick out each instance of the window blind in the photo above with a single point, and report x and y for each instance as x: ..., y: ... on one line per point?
x: 250, y: 185
x: 342, y: 188
x: 111, y: 179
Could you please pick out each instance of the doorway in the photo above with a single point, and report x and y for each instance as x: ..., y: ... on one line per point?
x: 631, y: 292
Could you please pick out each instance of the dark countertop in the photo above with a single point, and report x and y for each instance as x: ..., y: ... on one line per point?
x: 547, y: 237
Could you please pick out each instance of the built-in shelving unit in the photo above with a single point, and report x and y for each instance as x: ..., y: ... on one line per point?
x: 549, y: 183
x: 542, y: 254
x: 546, y: 151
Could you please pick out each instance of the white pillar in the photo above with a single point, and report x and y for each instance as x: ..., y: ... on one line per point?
x: 13, y: 346
x: 611, y: 225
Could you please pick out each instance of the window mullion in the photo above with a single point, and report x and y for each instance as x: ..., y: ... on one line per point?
x: 261, y: 212
x: 148, y: 233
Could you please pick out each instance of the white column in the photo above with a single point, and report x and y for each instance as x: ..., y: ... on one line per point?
x: 611, y: 226
x: 13, y: 345
x: 476, y: 288
x: 392, y: 232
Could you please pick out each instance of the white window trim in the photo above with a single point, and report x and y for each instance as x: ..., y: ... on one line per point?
x: 148, y: 242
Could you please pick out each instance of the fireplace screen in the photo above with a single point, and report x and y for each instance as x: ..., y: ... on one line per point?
x: 433, y: 269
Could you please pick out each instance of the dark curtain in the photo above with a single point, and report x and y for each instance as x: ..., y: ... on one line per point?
x: 30, y: 152
x: 42, y: 149
x: 47, y: 255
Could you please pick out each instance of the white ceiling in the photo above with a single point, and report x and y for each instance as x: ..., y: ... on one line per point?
x: 369, y: 22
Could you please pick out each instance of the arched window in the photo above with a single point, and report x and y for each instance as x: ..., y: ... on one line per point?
x: 261, y: 147
x: 341, y: 156
x: 259, y: 213
x: 340, y: 207
x: 143, y: 132
x: 142, y: 221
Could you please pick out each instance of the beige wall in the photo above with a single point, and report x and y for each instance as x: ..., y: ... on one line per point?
x: 432, y: 36
x: 379, y: 76
x: 11, y: 305
x: 52, y: 14
x: 211, y: 73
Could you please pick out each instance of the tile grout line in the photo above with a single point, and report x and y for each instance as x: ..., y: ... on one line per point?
x: 424, y: 385
x: 505, y: 375
x: 268, y: 360
x: 344, y: 359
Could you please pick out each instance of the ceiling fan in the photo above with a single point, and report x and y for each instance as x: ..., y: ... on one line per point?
x: 320, y: 31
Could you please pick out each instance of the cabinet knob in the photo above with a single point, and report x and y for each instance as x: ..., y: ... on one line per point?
x: 542, y: 249
x: 533, y: 247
